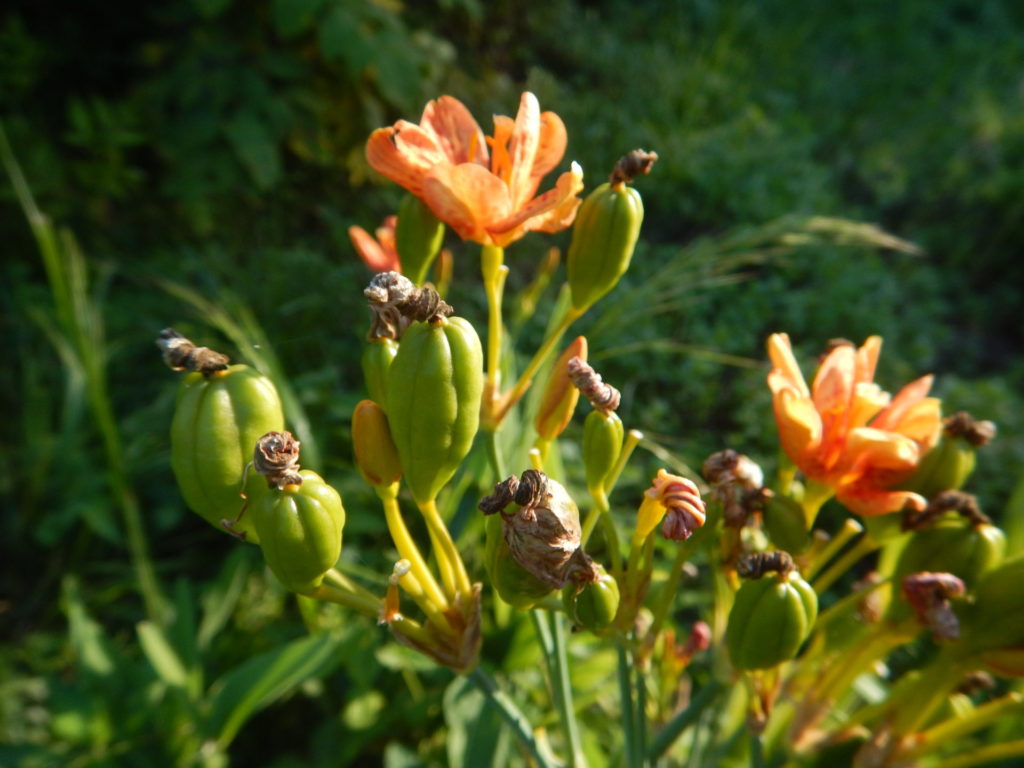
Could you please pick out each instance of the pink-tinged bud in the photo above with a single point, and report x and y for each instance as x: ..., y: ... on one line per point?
x: 673, y: 501
x: 699, y: 640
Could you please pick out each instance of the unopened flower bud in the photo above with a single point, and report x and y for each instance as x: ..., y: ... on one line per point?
x: 418, y: 237
x: 560, y: 395
x: 374, y: 450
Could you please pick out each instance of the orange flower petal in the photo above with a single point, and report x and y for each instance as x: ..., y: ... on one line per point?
x: 780, y: 351
x: 370, y: 251
x: 523, y: 149
x: 404, y: 153
x: 550, y: 146
x: 548, y: 210
x: 467, y: 197
x: 832, y: 389
x: 799, y: 426
x: 455, y: 131
x: 870, y: 501
x: 867, y: 358
x: 880, y: 449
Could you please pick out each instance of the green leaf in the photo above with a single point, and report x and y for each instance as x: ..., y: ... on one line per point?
x: 95, y: 653
x: 211, y: 8
x: 343, y: 37
x: 476, y: 734
x: 220, y: 598
x: 292, y: 17
x: 255, y: 149
x: 162, y: 656
x: 265, y: 678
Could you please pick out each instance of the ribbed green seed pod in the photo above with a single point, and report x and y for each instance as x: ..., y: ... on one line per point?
x: 594, y: 606
x: 418, y: 238
x: 378, y: 354
x: 966, y: 550
x: 434, y: 389
x: 603, y: 238
x: 217, y: 420
x: 770, y: 619
x: 602, y: 442
x: 300, y: 529
x: 992, y: 626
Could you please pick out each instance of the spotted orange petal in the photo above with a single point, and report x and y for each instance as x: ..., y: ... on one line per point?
x: 455, y: 131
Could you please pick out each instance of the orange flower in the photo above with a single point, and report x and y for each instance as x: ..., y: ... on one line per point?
x: 379, y: 255
x: 482, y: 187
x: 848, y: 434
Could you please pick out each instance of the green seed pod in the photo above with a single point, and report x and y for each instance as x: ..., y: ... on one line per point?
x: 952, y: 546
x: 217, y: 419
x: 993, y: 625
x: 300, y: 529
x: 786, y: 524
x: 603, y: 238
x: 378, y: 355
x: 374, y: 450
x: 770, y: 619
x: 418, y: 237
x: 434, y: 389
x: 592, y: 605
x: 602, y: 442
x: 948, y: 465
x: 513, y: 583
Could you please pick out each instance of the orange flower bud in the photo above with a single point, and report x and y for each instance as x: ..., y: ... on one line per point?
x: 560, y: 396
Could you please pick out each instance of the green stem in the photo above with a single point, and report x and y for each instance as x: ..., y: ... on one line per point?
x: 626, y: 705
x: 510, y: 398
x: 986, y: 754
x: 564, y: 697
x: 407, y: 549
x: 756, y: 750
x: 675, y: 727
x: 667, y: 594
x: 815, y: 495
x: 629, y: 444
x: 453, y: 570
x: 850, y: 529
x: 601, y: 507
x: 494, y: 454
x: 513, y: 717
x: 861, y: 549
x: 958, y: 727
x: 494, y: 272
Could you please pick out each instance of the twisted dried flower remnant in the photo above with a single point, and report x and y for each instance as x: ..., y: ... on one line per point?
x: 757, y: 564
x: 396, y: 302
x: 635, y: 163
x: 543, y: 534
x: 180, y: 354
x: 965, y: 504
x: 737, y: 482
x: 277, y: 458
x: 929, y: 594
x: 603, y: 397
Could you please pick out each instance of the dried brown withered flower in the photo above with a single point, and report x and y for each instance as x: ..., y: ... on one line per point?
x: 634, y: 163
x: 543, y: 533
x: 947, y: 501
x: 602, y: 396
x: 962, y: 424
x: 929, y: 595
x: 180, y: 354
x: 277, y: 458
x: 396, y: 302
x: 757, y: 564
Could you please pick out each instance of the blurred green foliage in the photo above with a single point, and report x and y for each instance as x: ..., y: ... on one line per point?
x: 208, y: 156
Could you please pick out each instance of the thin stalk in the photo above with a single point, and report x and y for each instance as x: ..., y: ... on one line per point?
x: 512, y: 715
x: 494, y: 454
x: 815, y: 496
x: 626, y: 705
x: 611, y: 537
x: 640, y: 718
x: 675, y: 727
x: 601, y: 507
x: 513, y: 396
x: 756, y: 750
x: 448, y: 558
x: 563, y: 685
x: 629, y: 444
x: 666, y: 595
x: 850, y: 529
x: 494, y: 272
x: 986, y: 754
x: 958, y: 727
x: 861, y: 549
x: 407, y: 549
